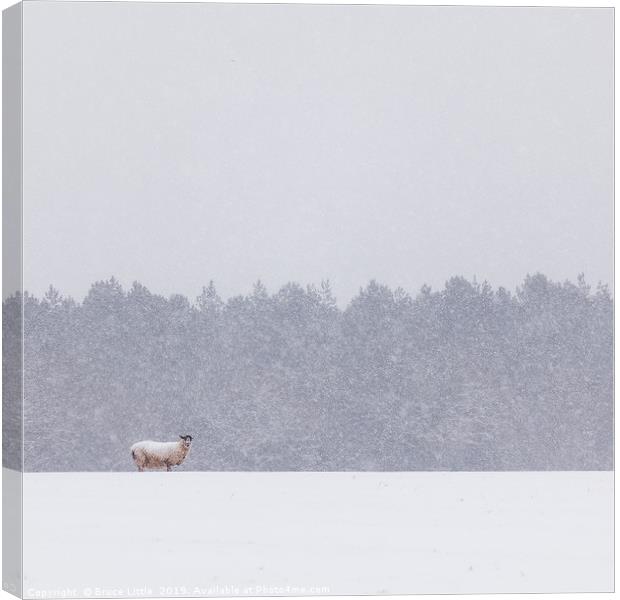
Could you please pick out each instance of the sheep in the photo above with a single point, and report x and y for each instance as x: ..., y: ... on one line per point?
x: 156, y: 455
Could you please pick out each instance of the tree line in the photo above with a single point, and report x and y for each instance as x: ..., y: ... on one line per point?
x: 463, y: 378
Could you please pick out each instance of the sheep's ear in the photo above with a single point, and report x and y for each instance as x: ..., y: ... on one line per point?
x: 182, y: 437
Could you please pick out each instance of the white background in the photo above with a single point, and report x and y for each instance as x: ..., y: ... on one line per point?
x: 5, y: 3
x: 381, y: 144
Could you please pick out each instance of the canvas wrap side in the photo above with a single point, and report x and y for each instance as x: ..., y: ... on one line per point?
x: 12, y: 288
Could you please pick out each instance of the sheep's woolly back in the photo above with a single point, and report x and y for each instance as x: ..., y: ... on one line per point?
x: 162, y: 449
x: 150, y: 454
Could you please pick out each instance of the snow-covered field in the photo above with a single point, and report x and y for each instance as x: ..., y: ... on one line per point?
x: 163, y: 534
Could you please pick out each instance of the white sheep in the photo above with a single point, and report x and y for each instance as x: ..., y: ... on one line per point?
x: 157, y: 455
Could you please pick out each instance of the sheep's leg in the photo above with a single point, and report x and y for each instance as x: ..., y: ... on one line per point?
x: 168, y: 467
x: 140, y: 469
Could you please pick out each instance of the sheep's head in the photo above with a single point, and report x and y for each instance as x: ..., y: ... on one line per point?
x: 187, y: 440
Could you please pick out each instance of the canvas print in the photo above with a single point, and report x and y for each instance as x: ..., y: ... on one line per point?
x: 306, y: 300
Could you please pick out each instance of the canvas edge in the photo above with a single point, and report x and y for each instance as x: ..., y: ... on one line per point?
x: 12, y: 283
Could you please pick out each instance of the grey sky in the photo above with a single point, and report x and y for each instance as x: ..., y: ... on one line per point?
x: 179, y: 143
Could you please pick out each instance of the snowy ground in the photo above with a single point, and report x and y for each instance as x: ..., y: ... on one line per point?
x: 163, y: 534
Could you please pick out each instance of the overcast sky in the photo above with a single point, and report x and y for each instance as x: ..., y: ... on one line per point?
x: 174, y: 144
